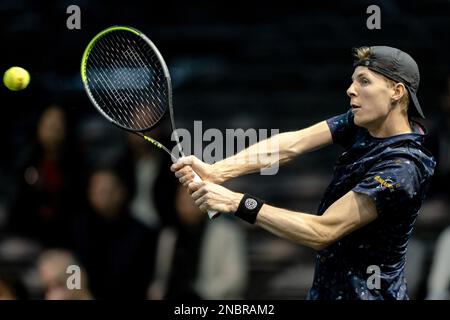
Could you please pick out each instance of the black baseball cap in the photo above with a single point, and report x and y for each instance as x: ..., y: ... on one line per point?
x: 395, y: 65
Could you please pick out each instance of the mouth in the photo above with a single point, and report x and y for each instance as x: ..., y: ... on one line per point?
x: 355, y: 106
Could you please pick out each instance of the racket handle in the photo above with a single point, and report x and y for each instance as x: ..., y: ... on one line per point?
x: 211, y: 213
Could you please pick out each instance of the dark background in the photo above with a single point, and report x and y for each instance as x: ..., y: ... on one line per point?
x: 247, y: 64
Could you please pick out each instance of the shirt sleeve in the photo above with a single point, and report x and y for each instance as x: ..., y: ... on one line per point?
x: 391, y: 184
x: 343, y: 129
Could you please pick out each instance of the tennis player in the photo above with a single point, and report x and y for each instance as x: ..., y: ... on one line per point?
x: 368, y: 211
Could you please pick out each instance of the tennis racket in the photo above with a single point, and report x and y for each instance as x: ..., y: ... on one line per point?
x: 128, y: 82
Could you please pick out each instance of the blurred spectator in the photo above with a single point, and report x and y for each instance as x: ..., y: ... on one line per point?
x: 154, y: 184
x: 440, y: 141
x: 49, y: 175
x: 12, y: 288
x: 435, y: 212
x: 116, y: 249
x: 193, y: 263
x: 439, y: 277
x: 52, y: 267
x: 438, y: 284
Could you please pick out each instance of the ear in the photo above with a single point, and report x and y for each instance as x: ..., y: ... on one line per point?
x: 399, y: 90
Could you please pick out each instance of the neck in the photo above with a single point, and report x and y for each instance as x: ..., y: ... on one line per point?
x: 391, y: 125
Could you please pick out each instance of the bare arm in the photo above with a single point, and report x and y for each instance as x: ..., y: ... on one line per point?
x: 280, y: 148
x: 351, y: 212
x: 347, y: 214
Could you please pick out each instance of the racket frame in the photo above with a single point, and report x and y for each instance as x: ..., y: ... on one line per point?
x: 165, y: 69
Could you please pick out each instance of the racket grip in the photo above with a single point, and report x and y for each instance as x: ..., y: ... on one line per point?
x: 211, y: 213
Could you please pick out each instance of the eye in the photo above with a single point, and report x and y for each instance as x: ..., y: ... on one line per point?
x: 364, y: 81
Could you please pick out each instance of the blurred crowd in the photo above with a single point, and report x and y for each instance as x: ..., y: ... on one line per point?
x: 107, y: 203
x: 110, y: 206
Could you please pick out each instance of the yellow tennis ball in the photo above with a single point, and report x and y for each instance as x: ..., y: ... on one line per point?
x: 16, y: 78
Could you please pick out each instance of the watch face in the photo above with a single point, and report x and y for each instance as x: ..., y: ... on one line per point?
x: 250, y: 203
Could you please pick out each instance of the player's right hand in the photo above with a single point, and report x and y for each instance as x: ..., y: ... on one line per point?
x: 184, y: 170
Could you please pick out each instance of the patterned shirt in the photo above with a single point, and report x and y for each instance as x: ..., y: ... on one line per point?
x: 395, y: 173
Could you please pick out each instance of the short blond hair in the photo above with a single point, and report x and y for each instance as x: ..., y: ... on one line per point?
x: 363, y: 54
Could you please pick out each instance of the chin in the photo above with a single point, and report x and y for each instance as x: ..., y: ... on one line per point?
x: 358, y: 120
x: 362, y: 122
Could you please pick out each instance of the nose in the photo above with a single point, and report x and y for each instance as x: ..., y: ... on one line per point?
x: 351, y: 92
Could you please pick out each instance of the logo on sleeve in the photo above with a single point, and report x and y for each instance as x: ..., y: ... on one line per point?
x: 387, y: 183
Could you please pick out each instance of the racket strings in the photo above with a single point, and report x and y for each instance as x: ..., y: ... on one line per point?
x: 123, y: 99
x: 110, y: 93
x: 153, y: 94
x: 100, y: 78
x: 126, y: 79
x: 156, y: 80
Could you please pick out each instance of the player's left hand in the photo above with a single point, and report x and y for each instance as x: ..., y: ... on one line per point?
x: 210, y: 196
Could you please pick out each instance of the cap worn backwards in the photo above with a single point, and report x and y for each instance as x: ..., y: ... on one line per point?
x: 395, y: 65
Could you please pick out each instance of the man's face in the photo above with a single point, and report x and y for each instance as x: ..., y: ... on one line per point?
x: 370, y: 97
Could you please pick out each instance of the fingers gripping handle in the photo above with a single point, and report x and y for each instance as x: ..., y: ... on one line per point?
x: 211, y: 213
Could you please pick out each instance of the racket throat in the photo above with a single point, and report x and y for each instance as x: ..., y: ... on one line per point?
x: 159, y: 145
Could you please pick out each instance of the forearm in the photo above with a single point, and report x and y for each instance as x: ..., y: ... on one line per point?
x: 263, y: 154
x: 301, y: 228
x: 276, y: 150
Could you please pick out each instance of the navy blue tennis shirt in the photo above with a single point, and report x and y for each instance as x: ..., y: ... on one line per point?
x: 395, y: 172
